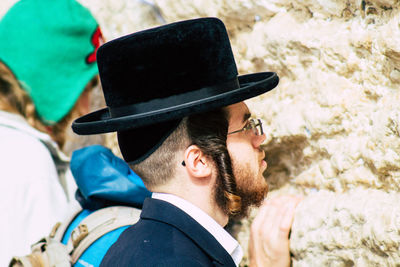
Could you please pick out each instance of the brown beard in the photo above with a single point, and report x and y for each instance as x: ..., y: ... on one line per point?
x: 249, y: 187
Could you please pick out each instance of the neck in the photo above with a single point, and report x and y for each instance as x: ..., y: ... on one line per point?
x: 200, y: 196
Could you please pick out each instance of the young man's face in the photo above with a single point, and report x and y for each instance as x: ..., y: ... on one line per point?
x: 247, y: 158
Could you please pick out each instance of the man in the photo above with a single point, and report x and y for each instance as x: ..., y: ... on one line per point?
x: 175, y: 100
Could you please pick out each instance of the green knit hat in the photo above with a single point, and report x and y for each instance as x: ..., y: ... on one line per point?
x: 50, y: 45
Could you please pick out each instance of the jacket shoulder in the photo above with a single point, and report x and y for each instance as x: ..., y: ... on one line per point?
x: 165, y: 234
x: 152, y: 243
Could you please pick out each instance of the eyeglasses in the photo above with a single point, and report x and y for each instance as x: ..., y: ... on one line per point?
x: 253, y: 124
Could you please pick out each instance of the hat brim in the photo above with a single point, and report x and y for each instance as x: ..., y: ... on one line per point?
x: 100, y: 121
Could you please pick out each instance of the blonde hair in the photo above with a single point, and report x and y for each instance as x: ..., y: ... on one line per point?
x: 13, y: 98
x: 16, y: 100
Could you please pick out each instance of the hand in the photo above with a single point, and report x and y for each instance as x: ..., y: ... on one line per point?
x: 269, y: 234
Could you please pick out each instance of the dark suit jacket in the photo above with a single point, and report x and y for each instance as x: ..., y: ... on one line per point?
x: 166, y: 236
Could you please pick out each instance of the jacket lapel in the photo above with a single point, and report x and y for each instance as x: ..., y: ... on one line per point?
x: 165, y: 212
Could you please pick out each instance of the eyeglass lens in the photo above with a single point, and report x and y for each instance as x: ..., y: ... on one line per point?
x: 256, y: 126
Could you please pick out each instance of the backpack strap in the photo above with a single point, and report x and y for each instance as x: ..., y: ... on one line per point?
x: 59, y: 229
x: 97, y: 224
x: 50, y: 251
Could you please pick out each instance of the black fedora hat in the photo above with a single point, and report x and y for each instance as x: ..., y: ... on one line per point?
x: 160, y: 75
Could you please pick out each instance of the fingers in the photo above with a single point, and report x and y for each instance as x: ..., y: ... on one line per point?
x: 288, y: 216
x: 269, y: 239
x: 277, y: 214
x: 284, y: 209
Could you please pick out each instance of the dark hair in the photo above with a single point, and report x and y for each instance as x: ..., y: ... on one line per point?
x: 209, y: 132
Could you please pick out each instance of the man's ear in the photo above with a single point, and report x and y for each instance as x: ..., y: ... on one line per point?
x: 196, y: 163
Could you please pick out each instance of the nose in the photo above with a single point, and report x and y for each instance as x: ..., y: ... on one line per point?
x: 258, y: 140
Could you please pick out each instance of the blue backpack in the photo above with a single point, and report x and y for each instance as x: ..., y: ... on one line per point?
x: 110, y: 195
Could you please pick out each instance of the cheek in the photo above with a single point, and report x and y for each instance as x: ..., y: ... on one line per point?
x: 242, y: 153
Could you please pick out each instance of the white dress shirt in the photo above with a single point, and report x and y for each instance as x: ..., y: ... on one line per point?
x: 219, y: 233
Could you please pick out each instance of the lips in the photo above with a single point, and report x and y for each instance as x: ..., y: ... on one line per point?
x: 262, y: 155
x: 261, y: 159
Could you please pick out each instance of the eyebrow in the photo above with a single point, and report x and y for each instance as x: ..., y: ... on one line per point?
x: 246, y: 116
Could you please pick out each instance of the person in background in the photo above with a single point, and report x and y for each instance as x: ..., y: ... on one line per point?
x: 47, y: 71
x: 175, y: 100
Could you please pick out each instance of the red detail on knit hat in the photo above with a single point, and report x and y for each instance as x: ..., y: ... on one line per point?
x: 97, y: 39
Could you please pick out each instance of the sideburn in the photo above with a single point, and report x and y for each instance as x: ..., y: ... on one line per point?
x: 209, y: 132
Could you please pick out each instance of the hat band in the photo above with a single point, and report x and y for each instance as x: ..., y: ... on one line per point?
x: 163, y: 104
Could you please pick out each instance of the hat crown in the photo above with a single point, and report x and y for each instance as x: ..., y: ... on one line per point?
x: 165, y: 61
x: 166, y: 73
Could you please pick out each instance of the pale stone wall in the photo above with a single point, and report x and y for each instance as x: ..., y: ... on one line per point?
x: 332, y: 124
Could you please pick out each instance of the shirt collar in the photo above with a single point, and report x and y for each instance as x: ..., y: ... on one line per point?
x: 215, y: 229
